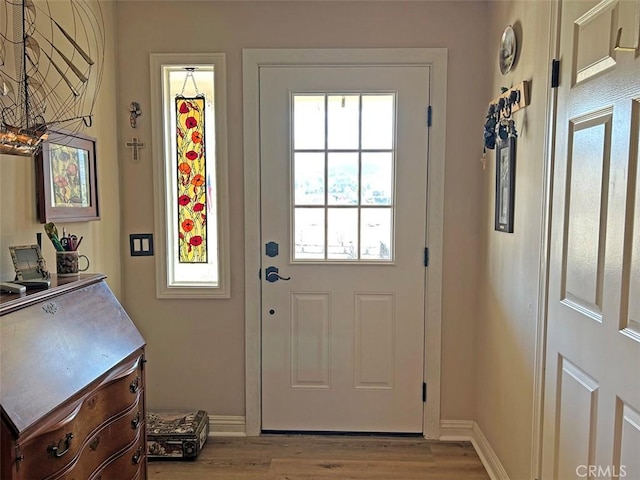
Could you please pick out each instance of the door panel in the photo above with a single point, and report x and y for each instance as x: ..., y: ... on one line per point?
x: 586, y: 210
x: 630, y: 312
x: 343, y: 339
x: 627, y: 440
x: 577, y: 405
x: 592, y: 385
x: 374, y: 340
x: 310, y: 366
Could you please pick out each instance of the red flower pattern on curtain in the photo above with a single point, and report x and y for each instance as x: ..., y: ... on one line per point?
x: 192, y: 180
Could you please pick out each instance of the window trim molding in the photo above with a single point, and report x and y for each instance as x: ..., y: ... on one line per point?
x: 218, y: 60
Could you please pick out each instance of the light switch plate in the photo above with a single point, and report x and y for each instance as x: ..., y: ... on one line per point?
x: 141, y: 244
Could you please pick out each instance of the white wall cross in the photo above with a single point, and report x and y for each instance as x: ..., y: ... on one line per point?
x: 135, y: 146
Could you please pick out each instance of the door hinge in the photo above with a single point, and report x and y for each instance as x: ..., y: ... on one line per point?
x: 555, y: 73
x: 424, y: 392
x: 429, y: 116
x: 426, y: 256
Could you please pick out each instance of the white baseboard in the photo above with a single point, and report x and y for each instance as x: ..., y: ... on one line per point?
x: 227, y: 426
x: 456, y: 430
x: 468, y: 430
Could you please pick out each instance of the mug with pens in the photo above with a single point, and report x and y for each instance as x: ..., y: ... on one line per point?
x: 70, y: 243
x: 67, y: 257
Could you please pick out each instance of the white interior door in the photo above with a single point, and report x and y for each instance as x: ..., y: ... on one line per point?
x: 343, y: 195
x: 592, y: 380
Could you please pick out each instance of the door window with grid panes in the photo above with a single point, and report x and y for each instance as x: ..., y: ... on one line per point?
x: 343, y: 163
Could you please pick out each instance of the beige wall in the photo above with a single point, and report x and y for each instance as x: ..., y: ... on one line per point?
x: 196, y: 348
x: 490, y: 296
x: 18, y: 221
x: 508, y: 284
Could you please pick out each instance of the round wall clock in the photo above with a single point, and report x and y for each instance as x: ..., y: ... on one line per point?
x: 508, y: 49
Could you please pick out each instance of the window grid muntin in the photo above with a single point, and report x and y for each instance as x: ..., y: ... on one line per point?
x: 359, y: 206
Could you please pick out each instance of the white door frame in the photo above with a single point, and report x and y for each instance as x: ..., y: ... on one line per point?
x: 545, y: 239
x: 253, y: 59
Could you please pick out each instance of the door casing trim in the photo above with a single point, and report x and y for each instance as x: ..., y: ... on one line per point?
x: 253, y: 59
x: 545, y: 241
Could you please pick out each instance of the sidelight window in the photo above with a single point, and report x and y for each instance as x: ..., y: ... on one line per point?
x: 189, y: 120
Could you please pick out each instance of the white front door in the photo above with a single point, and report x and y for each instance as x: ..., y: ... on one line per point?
x: 343, y: 195
x: 592, y: 380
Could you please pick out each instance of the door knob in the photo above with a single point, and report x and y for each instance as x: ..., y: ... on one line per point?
x: 271, y: 275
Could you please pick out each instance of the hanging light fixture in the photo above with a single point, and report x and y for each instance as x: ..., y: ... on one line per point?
x: 51, y: 62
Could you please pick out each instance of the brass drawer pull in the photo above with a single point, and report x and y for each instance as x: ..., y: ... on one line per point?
x: 135, y: 385
x: 137, y: 456
x: 55, y: 449
x: 136, y: 421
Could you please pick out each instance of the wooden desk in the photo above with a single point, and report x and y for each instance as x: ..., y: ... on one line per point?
x: 72, y: 387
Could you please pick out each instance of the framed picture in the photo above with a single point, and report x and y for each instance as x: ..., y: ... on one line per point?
x: 28, y: 262
x: 66, y: 185
x: 505, y: 184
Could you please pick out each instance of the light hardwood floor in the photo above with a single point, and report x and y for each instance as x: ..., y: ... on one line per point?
x: 293, y: 457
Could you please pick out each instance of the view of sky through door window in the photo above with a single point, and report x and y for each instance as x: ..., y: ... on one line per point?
x: 343, y: 162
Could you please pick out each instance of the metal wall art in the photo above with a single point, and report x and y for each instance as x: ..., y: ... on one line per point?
x: 51, y: 64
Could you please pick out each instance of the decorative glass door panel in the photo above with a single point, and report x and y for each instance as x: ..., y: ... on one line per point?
x: 343, y: 163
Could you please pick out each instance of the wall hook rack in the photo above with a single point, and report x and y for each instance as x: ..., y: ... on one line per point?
x: 517, y: 97
x: 498, y: 120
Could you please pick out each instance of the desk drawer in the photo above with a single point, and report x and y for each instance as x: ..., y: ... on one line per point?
x: 129, y: 465
x: 105, y: 446
x: 50, y: 453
